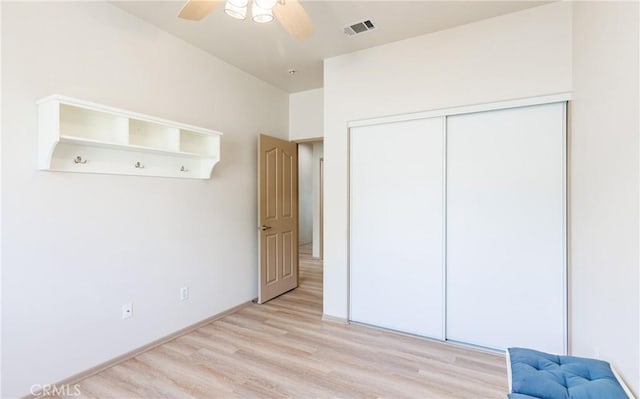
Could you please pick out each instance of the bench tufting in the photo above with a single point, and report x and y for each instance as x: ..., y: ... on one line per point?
x: 539, y: 375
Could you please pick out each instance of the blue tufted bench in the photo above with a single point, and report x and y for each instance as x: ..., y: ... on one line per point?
x: 539, y: 375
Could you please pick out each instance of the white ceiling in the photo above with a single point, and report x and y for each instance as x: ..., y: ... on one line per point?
x: 268, y: 52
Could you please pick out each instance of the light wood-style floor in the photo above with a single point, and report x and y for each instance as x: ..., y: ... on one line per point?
x: 284, y: 349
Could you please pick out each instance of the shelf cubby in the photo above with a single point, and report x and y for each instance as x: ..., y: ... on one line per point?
x: 198, y: 143
x: 92, y: 125
x: 153, y: 135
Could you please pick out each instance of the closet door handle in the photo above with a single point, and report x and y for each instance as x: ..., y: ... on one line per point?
x: 264, y: 228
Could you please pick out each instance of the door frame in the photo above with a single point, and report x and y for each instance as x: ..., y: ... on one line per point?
x: 321, y: 216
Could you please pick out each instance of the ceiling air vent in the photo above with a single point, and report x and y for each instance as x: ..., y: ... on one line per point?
x: 359, y: 27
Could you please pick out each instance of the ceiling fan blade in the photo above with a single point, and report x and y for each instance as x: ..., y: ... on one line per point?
x: 195, y: 10
x: 294, y: 19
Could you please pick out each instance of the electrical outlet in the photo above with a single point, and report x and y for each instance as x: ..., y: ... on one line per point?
x: 184, y: 293
x: 127, y: 310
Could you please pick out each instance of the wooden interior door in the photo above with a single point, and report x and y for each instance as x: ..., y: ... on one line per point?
x: 277, y: 217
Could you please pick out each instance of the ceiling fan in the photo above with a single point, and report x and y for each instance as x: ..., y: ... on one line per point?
x: 290, y: 13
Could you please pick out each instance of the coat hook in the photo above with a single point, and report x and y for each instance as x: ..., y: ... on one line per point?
x: 183, y: 169
x: 79, y: 160
x: 139, y: 165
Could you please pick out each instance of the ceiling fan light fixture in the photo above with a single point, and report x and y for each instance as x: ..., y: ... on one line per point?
x: 236, y: 8
x: 261, y: 15
x: 291, y: 14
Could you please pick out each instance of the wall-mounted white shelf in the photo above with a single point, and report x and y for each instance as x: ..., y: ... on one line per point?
x: 79, y: 136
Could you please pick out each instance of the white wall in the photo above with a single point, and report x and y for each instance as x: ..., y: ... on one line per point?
x: 317, y: 200
x: 306, y: 113
x: 518, y: 55
x: 305, y: 193
x: 604, y: 185
x: 309, y: 155
x: 78, y: 246
x: 0, y: 199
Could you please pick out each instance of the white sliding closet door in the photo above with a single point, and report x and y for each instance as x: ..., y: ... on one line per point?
x: 396, y: 226
x: 506, y: 228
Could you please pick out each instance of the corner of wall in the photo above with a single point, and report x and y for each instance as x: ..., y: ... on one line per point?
x: 605, y: 176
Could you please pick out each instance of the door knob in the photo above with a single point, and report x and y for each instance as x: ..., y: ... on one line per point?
x: 263, y: 227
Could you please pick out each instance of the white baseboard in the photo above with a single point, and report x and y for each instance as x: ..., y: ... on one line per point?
x: 74, y: 379
x: 334, y: 319
x: 621, y: 382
